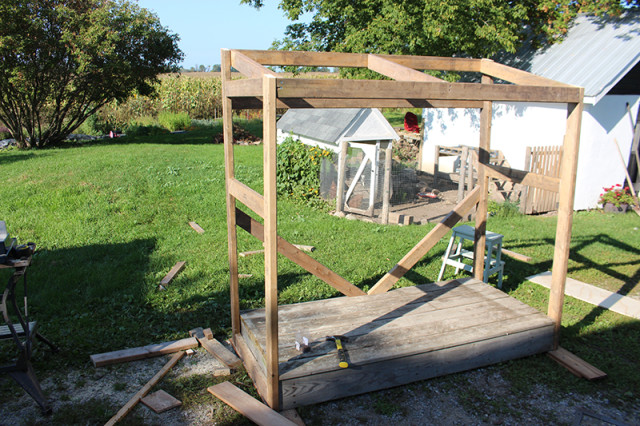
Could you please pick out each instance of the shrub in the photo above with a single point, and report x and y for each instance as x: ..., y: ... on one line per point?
x: 5, y: 133
x: 173, y: 121
x: 298, y: 170
x: 144, y: 130
x: 94, y: 126
x: 504, y: 209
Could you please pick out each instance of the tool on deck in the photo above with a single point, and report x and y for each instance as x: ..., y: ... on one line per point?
x: 341, y: 354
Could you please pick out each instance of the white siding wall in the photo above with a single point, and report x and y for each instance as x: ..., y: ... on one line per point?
x: 517, y: 125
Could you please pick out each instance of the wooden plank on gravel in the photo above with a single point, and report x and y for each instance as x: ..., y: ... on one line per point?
x: 172, y: 273
x: 149, y: 351
x: 145, y: 389
x: 576, y: 365
x: 248, y: 406
x: 216, y: 348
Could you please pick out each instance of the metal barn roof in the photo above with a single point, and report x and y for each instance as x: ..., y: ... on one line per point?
x: 333, y: 125
x: 596, y: 53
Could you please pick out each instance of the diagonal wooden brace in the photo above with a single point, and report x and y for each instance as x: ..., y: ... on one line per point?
x: 305, y: 261
x: 427, y: 243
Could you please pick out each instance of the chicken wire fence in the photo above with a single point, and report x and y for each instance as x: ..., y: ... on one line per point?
x: 364, y: 180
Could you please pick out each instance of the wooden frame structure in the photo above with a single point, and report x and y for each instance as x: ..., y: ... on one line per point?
x: 407, y: 86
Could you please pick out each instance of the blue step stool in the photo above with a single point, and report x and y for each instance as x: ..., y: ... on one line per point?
x: 492, y: 261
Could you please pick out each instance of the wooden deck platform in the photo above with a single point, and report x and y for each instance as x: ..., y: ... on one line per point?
x: 402, y: 336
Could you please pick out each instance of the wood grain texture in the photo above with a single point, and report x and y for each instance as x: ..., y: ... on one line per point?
x: 217, y: 349
x: 229, y: 170
x: 149, y: 351
x: 516, y: 76
x: 484, y: 156
x: 269, y: 94
x: 378, y: 89
x: 245, y: 100
x: 576, y: 365
x: 248, y: 66
x: 172, y: 273
x: 196, y: 227
x: 248, y: 406
x: 247, y: 196
x: 427, y: 243
x: 568, y: 171
x: 145, y: 389
x: 397, y: 72
x: 523, y: 177
x: 294, y: 254
x: 254, y: 369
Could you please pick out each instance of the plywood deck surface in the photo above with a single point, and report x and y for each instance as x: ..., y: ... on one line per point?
x: 405, y: 335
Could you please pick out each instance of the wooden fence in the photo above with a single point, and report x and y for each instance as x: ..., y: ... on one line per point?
x: 543, y: 160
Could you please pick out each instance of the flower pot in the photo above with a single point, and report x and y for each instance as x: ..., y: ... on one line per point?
x: 612, y: 208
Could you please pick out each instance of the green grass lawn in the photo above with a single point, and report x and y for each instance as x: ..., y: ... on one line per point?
x: 110, y: 219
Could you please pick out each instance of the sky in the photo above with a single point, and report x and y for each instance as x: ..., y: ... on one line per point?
x: 206, y: 26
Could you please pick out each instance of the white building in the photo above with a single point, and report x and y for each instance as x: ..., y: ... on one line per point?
x: 601, y: 55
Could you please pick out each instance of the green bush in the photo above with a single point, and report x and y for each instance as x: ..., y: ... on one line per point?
x: 173, y: 121
x: 298, y: 170
x: 504, y: 209
x: 4, y: 133
x: 144, y: 130
x: 94, y: 126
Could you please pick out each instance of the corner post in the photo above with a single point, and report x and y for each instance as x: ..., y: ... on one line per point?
x: 484, y: 150
x: 227, y: 129
x: 269, y: 93
x: 568, y: 171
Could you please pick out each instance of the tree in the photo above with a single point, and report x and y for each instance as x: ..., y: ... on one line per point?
x: 64, y: 59
x: 470, y: 28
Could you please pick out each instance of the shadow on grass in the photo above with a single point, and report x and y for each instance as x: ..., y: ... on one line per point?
x: 14, y: 156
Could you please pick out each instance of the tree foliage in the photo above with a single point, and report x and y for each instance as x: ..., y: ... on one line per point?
x: 64, y: 59
x: 475, y: 28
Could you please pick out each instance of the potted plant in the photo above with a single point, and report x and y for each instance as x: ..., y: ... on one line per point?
x: 616, y: 199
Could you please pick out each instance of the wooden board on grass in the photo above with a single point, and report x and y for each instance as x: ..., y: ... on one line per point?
x: 196, y: 227
x: 576, y: 365
x: 248, y: 406
x: 172, y: 273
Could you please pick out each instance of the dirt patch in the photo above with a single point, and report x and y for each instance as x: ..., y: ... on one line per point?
x: 481, y: 396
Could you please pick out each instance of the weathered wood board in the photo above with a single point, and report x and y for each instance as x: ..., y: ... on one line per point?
x: 408, y: 334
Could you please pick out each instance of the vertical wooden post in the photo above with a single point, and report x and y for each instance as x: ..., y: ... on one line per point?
x: 270, y: 239
x: 227, y: 129
x: 386, y: 192
x: 568, y: 172
x: 484, y: 155
x: 461, y: 175
x: 342, y: 167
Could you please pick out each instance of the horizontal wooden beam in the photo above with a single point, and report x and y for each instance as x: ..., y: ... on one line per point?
x: 305, y: 261
x: 307, y: 59
x: 247, y: 196
x: 247, y: 87
x: 436, y: 63
x: 535, y: 180
x: 248, y: 66
x: 427, y: 243
x: 377, y: 89
x: 359, y: 60
x: 516, y: 76
x: 396, y: 71
x: 256, y: 103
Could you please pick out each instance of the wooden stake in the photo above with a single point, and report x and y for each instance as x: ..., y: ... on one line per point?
x: 145, y: 390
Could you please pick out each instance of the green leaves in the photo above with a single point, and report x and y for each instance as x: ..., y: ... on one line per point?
x: 64, y: 59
